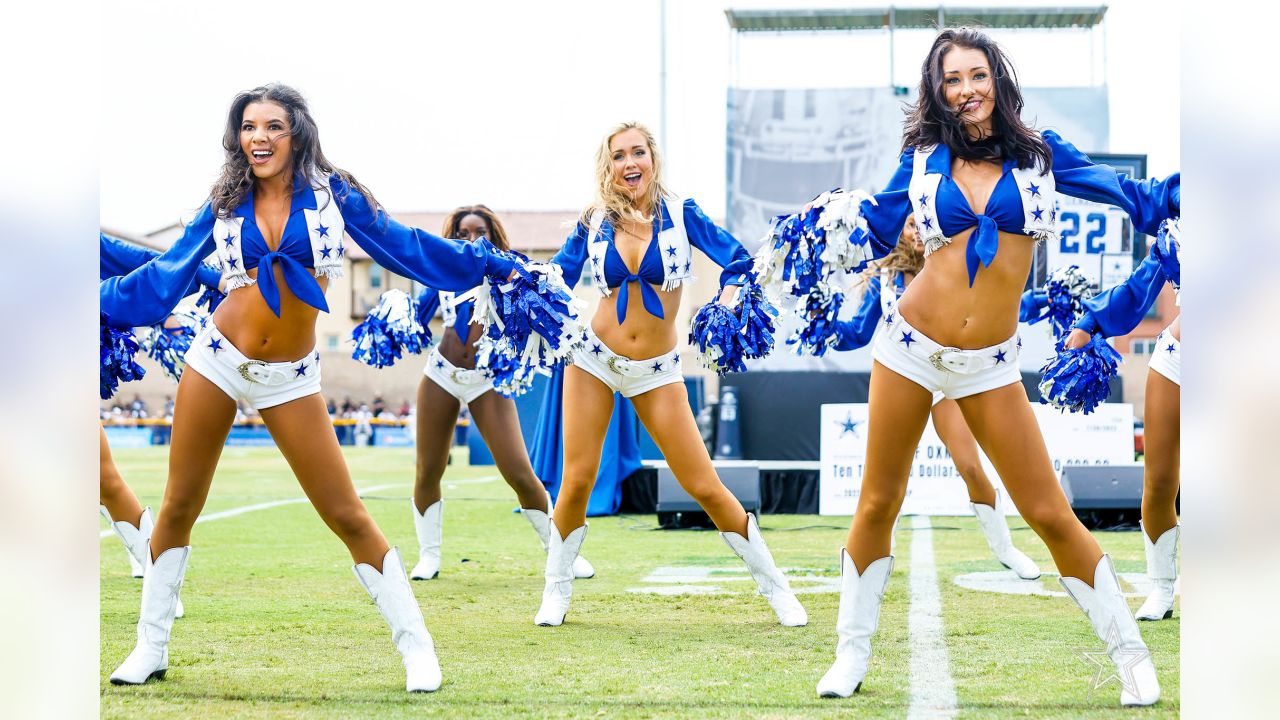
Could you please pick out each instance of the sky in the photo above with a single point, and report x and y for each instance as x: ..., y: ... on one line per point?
x: 435, y: 105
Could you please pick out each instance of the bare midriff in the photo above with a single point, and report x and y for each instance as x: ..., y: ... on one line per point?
x: 460, y: 353
x: 245, y: 319
x: 641, y: 336
x: 940, y: 303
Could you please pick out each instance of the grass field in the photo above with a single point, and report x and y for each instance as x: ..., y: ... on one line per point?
x: 278, y: 627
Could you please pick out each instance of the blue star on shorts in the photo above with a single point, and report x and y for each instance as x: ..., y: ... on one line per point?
x: 907, y: 339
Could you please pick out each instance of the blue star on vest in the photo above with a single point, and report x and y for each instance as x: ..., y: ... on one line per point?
x: 340, y: 251
x: 229, y: 240
x: 1053, y: 215
x: 657, y: 367
x: 849, y: 425
x: 671, y: 251
x: 924, y: 200
x: 1034, y: 189
x: 687, y: 265
x: 1038, y: 213
x: 1171, y: 349
x: 1000, y: 356
x: 324, y: 251
x: 596, y: 349
x: 300, y: 370
x: 215, y: 344
x: 231, y: 263
x: 1019, y: 342
x: 595, y: 260
x: 322, y: 231
x: 674, y: 268
x: 907, y: 339
x: 888, y: 319
x: 928, y: 223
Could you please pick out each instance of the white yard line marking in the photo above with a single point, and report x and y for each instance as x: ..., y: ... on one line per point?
x: 264, y: 506
x: 933, y: 692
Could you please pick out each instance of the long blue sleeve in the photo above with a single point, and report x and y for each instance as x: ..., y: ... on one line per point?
x: 887, y: 215
x: 857, y: 331
x: 148, y: 294
x: 1033, y: 306
x: 417, y: 254
x: 1147, y: 202
x: 119, y: 257
x: 1119, y: 310
x: 428, y: 303
x: 723, y: 248
x: 573, y: 255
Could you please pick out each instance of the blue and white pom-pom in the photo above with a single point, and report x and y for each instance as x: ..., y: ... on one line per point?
x: 1067, y: 288
x: 116, y: 349
x: 814, y: 247
x: 1168, y: 249
x: 168, y: 345
x: 726, y: 337
x: 533, y: 319
x: 390, y: 330
x: 1079, y: 380
x: 818, y: 332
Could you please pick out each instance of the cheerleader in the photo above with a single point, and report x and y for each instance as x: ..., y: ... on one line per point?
x: 637, y: 238
x: 276, y: 219
x: 450, y: 380
x: 1117, y: 312
x: 982, y: 186
x: 895, y: 272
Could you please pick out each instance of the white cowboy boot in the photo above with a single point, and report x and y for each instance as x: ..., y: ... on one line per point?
x: 770, y: 581
x: 559, y: 575
x: 541, y: 522
x: 430, y: 528
x: 160, y: 585
x: 856, y: 620
x: 1162, y: 568
x: 134, y: 538
x: 395, y: 600
x: 137, y: 541
x: 1112, y: 622
x: 996, y: 528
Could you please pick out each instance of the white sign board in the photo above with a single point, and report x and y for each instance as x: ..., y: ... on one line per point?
x: 1087, y: 231
x: 934, y: 486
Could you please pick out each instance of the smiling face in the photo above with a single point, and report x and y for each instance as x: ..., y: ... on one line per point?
x: 632, y: 162
x: 911, y: 234
x: 969, y: 88
x: 266, y: 140
x: 472, y: 228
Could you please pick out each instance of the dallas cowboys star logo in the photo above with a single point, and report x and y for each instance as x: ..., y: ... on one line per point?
x: 924, y: 200
x: 340, y: 251
x: 1171, y: 349
x: 1038, y: 213
x: 229, y: 240
x: 1034, y: 189
x: 596, y: 349
x: 595, y: 260
x: 849, y: 425
x: 888, y: 319
x: 231, y: 263
x: 1000, y: 356
x: 907, y: 339
x: 928, y: 223
x: 322, y: 231
x: 439, y: 364
x: 671, y: 251
x: 215, y: 344
x: 300, y: 370
x: 324, y: 251
x: 686, y: 266
x: 1121, y: 669
x: 1019, y: 342
x: 657, y: 367
x: 674, y: 267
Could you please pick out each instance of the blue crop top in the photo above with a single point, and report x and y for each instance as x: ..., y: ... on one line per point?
x: 429, y: 303
x: 1147, y: 202
x: 723, y: 249
x: 147, y: 294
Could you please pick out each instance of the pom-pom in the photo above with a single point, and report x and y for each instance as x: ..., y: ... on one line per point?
x: 116, y: 349
x: 1079, y: 380
x: 814, y: 247
x: 390, y: 330
x: 167, y: 342
x: 211, y: 297
x: 727, y: 337
x: 532, y: 319
x: 818, y: 333
x: 1167, y: 248
x: 1067, y: 288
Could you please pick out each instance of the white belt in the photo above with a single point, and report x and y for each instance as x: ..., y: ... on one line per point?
x: 261, y: 372
x: 626, y: 367
x: 952, y: 359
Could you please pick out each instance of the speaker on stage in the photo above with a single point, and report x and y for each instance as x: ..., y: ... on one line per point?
x: 677, y: 509
x: 1103, y: 487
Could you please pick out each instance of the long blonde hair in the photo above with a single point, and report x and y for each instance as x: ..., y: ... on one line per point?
x: 904, y: 258
x: 613, y: 200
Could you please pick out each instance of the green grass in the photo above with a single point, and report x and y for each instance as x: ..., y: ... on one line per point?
x: 277, y: 625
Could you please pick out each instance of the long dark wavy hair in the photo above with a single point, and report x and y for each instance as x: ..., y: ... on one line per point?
x: 931, y: 121
x: 236, y: 179
x: 497, y: 234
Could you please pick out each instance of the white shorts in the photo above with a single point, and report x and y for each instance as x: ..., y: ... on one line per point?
x: 624, y: 375
x: 1167, y: 357
x: 944, y: 371
x: 465, y: 385
x: 258, y: 384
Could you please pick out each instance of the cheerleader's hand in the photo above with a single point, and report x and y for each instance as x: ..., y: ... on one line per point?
x: 728, y: 295
x: 1077, y: 339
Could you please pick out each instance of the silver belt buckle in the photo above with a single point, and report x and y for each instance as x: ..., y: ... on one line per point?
x: 463, y: 376
x: 936, y: 358
x: 244, y: 370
